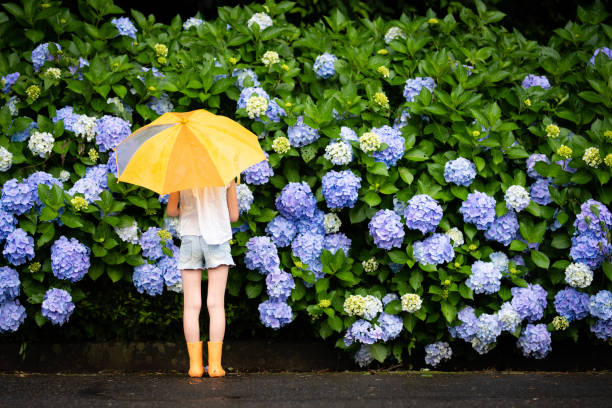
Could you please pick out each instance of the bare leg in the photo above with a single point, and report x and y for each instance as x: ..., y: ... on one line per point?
x: 215, y: 301
x: 192, y: 296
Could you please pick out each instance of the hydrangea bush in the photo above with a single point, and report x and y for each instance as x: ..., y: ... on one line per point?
x: 424, y: 188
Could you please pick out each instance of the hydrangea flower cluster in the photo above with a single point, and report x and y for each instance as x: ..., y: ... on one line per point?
x: 275, y: 313
x: 301, y: 134
x: 40, y: 54
x: 363, y: 332
x: 411, y: 302
x: 386, y: 229
x: 517, y: 198
x: 478, y: 209
x: 279, y: 284
x: 6, y: 159
x: 148, y: 279
x: 535, y: 341
x: 395, y: 142
x: 601, y: 328
x: 456, y: 237
x: 529, y: 302
x: 255, y: 100
x: 151, y: 243
x: 334, y: 242
x: 244, y: 74
x: 281, y: 230
x: 9, y: 284
x: 434, y: 250
x: 540, y: 193
x: 460, y: 171
x: 19, y: 247
x: 423, y: 213
x: 503, y: 229
x: 12, y: 315
x: 17, y: 198
x: 391, y: 326
x: 192, y: 22
x: 339, y: 153
x: 600, y: 305
x: 468, y: 326
x: 413, y: 87
x: 331, y: 223
x: 245, y: 198
x: 9, y: 80
x: 603, y: 50
x: 485, y: 278
x: 8, y: 223
x: 436, y: 352
x: 500, y: 260
x: 369, y: 142
x: 160, y: 105
x: 340, y: 188
x: 324, y: 65
x: 259, y: 173
x: 508, y: 317
x: 41, y: 143
x: 307, y: 246
x: 572, y: 304
x: 590, y: 245
x: 534, y: 80
x: 578, y: 275
x: 363, y: 357
x: 393, y: 34
x: 110, y: 131
x: 57, y: 306
x: 69, y: 259
x: 296, y: 201
x: 488, y: 328
x: 125, y: 26
x: 170, y: 272
x: 261, y: 255
x: 262, y: 19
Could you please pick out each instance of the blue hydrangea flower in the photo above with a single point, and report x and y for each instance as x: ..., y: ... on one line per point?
x: 534, y: 80
x: 274, y: 112
x: 40, y: 54
x: 296, y: 201
x: 423, y: 213
x: 8, y: 223
x: 589, y: 250
x: 57, y: 306
x: 488, y: 329
x: 324, y: 65
x: 242, y: 75
x: 307, y: 246
x: 247, y: 93
x: 160, y: 105
x: 503, y: 229
x: 602, y: 329
x: 531, y: 161
x: 388, y: 298
x: 170, y: 272
x: 301, y: 134
x: 598, y: 222
x: 604, y: 50
x: 572, y: 304
x: 340, y: 188
x: 413, y: 87
x: 73, y: 69
x: 279, y: 285
x: 88, y: 187
x: 67, y: 115
x: 111, y: 164
x: 435, y: 250
x: 69, y: 259
x: 259, y: 173
x: 478, y: 209
x: 125, y: 26
x: 9, y: 80
x: 40, y: 177
x: 281, y: 230
x: 17, y: 198
x: 334, y: 242
x: 529, y: 302
x: 402, y: 120
x: 9, y: 284
x: 485, y: 278
x: 154, y: 71
x: 151, y: 244
x: 314, y: 224
x: 460, y: 171
x: 363, y: 332
x: 436, y: 352
x: 600, y: 305
x: 261, y: 255
x: 110, y: 131
x: 19, y: 247
x: 347, y: 134
x: 12, y: 315
x: 468, y: 327
x: 275, y: 313
x: 540, y: 193
x: 508, y: 317
x: 500, y: 260
x: 148, y: 279
x: 391, y: 326
x: 386, y: 229
x: 535, y: 341
x: 24, y: 134
x: 395, y: 141
x: 245, y: 198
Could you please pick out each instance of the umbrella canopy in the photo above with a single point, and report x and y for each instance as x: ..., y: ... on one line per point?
x: 183, y: 150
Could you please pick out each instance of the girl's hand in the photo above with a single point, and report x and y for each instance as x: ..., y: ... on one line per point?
x: 232, y: 202
x: 172, y: 209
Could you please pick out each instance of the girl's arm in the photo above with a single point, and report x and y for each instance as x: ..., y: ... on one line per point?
x: 232, y: 202
x: 172, y: 209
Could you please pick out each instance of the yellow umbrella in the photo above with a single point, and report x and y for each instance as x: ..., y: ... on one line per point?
x: 183, y: 150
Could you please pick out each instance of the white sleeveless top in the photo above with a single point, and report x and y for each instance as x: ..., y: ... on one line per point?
x: 203, y: 211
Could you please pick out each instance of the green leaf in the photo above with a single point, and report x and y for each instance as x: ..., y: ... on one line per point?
x: 379, y: 352
x: 517, y: 245
x: 416, y: 155
x: 335, y: 323
x: 540, y: 259
x: 39, y: 318
x: 71, y: 220
x: 393, y: 307
x: 115, y: 274
x: 253, y: 289
x: 406, y: 175
x: 607, y: 268
x: 372, y: 199
x: 448, y: 310
x: 398, y: 256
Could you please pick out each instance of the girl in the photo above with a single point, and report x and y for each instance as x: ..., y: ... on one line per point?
x: 204, y: 215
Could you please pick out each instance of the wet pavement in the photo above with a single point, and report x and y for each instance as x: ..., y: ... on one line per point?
x: 344, y: 389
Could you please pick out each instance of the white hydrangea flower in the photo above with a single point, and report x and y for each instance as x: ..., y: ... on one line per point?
x: 456, y: 236
x: 500, y: 260
x: 370, y: 265
x: 560, y: 323
x: 393, y: 34
x: 339, y: 153
x: 245, y: 197
x: 578, y: 275
x: 355, y: 305
x: 373, y: 306
x: 41, y: 143
x: 517, y: 198
x: 269, y: 58
x: 256, y: 106
x: 12, y: 105
x: 592, y: 157
x: 54, y: 73
x: 508, y: 317
x: 85, y: 127
x: 411, y: 302
x: 281, y: 145
x: 129, y: 233
x: 262, y: 19
x: 177, y: 287
x: 64, y: 176
x: 369, y: 142
x: 331, y: 223
x: 192, y: 22
x: 6, y: 159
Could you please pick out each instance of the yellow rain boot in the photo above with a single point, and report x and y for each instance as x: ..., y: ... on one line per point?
x: 196, y: 368
x: 214, y: 359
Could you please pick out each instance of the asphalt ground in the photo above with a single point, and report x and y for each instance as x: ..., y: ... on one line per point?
x: 320, y: 389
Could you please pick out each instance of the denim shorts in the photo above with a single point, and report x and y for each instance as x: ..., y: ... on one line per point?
x: 197, y: 254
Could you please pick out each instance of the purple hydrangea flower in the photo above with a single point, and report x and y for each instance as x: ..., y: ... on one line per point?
x: 598, y: 222
x: 340, y: 188
x: 261, y: 255
x: 539, y: 192
x: 8, y: 223
x: 275, y: 313
x: 572, y: 304
x: 423, y: 213
x: 258, y: 173
x: 9, y: 80
x: 589, y: 250
x: 12, y: 315
x: 9, y: 284
x: 604, y: 50
x: 485, y: 278
x: 17, y: 198
x: 529, y: 302
x: 307, y: 246
x: 57, y: 306
x: 19, y: 247
x: 469, y: 324
x: 296, y: 201
x: 324, y: 65
x: 69, y: 259
x: 478, y: 209
x: 110, y: 131
x: 170, y: 272
x: 460, y: 171
x: 279, y: 285
x: 534, y: 80
x: 281, y: 230
x: 363, y: 332
x: 535, y: 341
x: 436, y: 352
x: 531, y: 161
x: 160, y: 105
x: 395, y: 141
x: 602, y: 329
x: 151, y: 244
x: 274, y: 112
x: 413, y: 87
x: 40, y: 54
x: 488, y: 329
x: 125, y: 26
x: 391, y: 326
x: 600, y: 305
x: 314, y: 224
x: 334, y: 242
x: 67, y: 115
x: 301, y: 134
x: 435, y: 250
x: 111, y: 164
x: 503, y: 229
x: 148, y: 279
x: 386, y: 229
